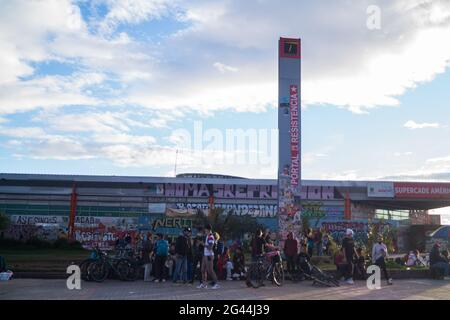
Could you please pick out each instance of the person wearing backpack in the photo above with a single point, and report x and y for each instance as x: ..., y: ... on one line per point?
x: 161, y: 253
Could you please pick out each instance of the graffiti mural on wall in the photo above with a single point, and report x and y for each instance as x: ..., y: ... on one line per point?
x: 26, y: 227
x: 103, y: 232
x: 89, y: 231
x: 360, y: 228
x: 253, y: 210
x: 168, y: 226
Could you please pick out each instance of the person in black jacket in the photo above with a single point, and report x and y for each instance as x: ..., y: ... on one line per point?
x: 183, y: 249
x: 350, y: 254
x: 197, y: 259
x: 437, y: 260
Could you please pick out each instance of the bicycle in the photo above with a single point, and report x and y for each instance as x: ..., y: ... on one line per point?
x: 99, y: 270
x: 84, y: 265
x: 307, y: 271
x: 269, y: 266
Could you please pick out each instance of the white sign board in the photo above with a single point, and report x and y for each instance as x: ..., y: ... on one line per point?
x: 156, y: 207
x: 380, y: 190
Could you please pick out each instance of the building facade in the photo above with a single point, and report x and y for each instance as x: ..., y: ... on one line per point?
x: 108, y: 207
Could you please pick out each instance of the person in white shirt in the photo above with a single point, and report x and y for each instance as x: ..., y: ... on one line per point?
x: 208, y: 260
x: 379, y: 254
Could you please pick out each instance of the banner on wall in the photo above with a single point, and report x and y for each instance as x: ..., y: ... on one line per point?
x: 416, y: 190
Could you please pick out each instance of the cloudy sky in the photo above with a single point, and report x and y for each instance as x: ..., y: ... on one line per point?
x: 117, y: 87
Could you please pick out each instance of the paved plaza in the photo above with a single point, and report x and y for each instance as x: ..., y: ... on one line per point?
x: 423, y: 289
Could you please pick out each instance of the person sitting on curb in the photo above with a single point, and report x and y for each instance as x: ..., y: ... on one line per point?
x: 341, y: 266
x: 360, y: 265
x: 438, y: 261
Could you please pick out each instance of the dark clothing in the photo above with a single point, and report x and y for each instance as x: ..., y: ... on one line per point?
x: 290, y: 263
x: 382, y: 264
x: 196, y: 260
x: 183, y: 246
x: 238, y: 263
x: 310, y: 244
x: 147, y: 248
x: 160, y: 262
x: 349, y: 249
x: 436, y: 256
x: 290, y: 247
x: 196, y: 271
x: 349, y: 252
x: 290, y: 251
x: 360, y: 269
x: 258, y: 245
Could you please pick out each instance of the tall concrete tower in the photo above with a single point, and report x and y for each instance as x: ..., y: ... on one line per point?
x: 289, y: 129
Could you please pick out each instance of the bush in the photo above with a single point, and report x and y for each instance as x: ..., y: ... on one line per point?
x: 4, y: 221
x: 38, y: 243
x: 63, y: 243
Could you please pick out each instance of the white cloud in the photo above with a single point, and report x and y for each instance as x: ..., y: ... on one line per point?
x: 440, y: 159
x: 344, y: 63
x: 23, y: 132
x: 223, y: 68
x: 413, y: 125
x: 133, y: 12
x: 403, y: 154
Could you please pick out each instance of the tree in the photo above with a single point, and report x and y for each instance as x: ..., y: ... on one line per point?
x: 4, y: 221
x: 229, y: 226
x: 387, y: 232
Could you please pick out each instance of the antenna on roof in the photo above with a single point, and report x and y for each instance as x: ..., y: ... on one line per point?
x: 175, y: 169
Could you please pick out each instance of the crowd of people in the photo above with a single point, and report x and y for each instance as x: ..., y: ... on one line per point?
x: 189, y: 259
x: 350, y: 260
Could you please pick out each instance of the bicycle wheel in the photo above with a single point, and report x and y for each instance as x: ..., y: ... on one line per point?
x: 121, y: 268
x: 133, y: 272
x: 322, y: 282
x: 98, y: 271
x: 278, y: 274
x: 253, y: 277
x: 84, y: 265
x: 127, y: 271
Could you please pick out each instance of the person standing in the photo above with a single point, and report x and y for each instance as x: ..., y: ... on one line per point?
x: 310, y: 242
x: 290, y: 251
x: 147, y: 250
x: 161, y: 253
x: 258, y: 244
x: 348, y: 245
x: 207, y: 260
x: 182, y: 248
x: 218, y: 251
x: 379, y: 254
x: 189, y: 255
x: 319, y: 242
x: 326, y: 245
x: 197, y: 259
